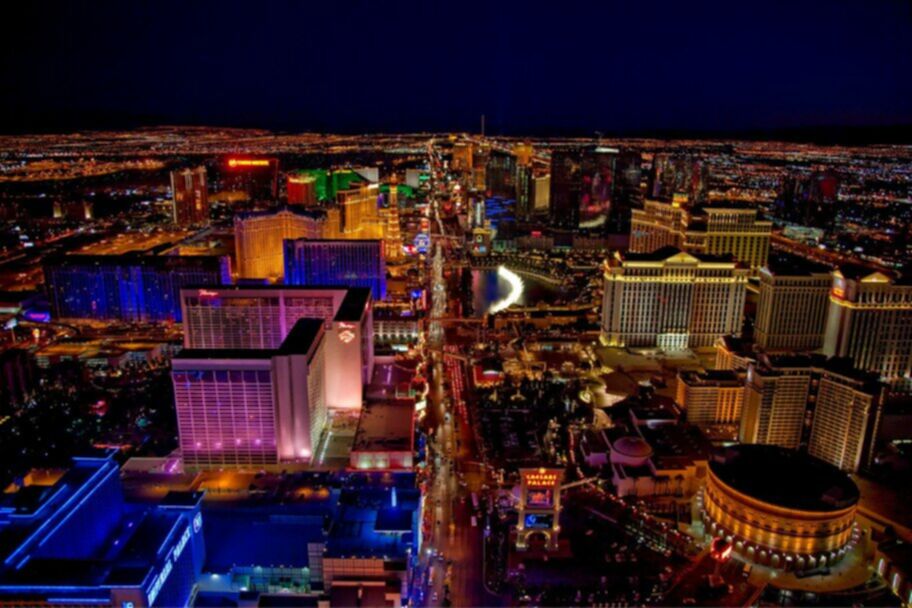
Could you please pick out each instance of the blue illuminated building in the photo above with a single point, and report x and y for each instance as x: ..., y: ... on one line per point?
x: 496, y: 209
x: 78, y: 542
x: 130, y: 287
x: 322, y: 541
x: 336, y: 263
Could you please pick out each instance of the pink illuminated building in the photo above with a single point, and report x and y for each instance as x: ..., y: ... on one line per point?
x: 259, y: 317
x: 251, y: 408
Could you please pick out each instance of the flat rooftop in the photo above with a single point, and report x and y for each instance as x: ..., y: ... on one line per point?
x: 363, y: 525
x: 302, y: 337
x: 135, y: 242
x: 353, y: 305
x: 298, y: 342
x: 225, y: 353
x: 676, y: 445
x: 716, y: 377
x: 244, y: 536
x: 787, y: 264
x: 385, y: 426
x: 663, y: 253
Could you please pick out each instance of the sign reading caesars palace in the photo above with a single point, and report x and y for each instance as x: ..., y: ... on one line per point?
x: 539, y: 507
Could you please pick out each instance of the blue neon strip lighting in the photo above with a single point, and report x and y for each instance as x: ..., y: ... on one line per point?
x: 73, y: 511
x: 40, y: 530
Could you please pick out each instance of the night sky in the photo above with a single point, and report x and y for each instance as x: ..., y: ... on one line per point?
x: 625, y: 67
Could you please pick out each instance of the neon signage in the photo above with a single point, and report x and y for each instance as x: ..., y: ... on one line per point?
x: 539, y: 521
x: 247, y: 162
x: 206, y: 293
x: 540, y: 498
x: 166, y: 570
x: 160, y: 580
x: 346, y: 336
x: 184, y: 539
x: 541, y: 479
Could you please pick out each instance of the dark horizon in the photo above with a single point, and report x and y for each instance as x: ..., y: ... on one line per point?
x: 811, y: 70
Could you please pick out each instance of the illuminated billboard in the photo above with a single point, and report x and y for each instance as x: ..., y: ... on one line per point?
x: 540, y: 499
x: 539, y: 521
x: 596, y: 190
x: 245, y: 163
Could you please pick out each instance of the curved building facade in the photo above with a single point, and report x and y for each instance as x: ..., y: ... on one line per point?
x: 779, y: 507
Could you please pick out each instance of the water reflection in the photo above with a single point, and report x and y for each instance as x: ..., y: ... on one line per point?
x: 489, y: 288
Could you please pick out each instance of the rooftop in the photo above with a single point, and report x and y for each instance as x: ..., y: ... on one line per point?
x: 302, y: 337
x: 225, y: 353
x: 266, y: 536
x: 315, y: 214
x: 716, y: 377
x: 121, y: 547
x: 787, y: 264
x: 721, y: 206
x: 675, y: 446
x: 372, y: 523
x: 785, y: 478
x: 385, y: 426
x: 157, y: 262
x: 857, y: 272
x: 352, y: 308
x: 664, y: 253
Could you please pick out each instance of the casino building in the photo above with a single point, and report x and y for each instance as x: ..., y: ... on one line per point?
x: 779, y: 507
x: 131, y: 287
x: 342, y: 263
x: 670, y: 299
x: 252, y: 407
x: 230, y: 317
x: 75, y: 540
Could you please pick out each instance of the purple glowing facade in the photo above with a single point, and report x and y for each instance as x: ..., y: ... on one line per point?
x: 252, y: 407
x: 337, y: 263
x: 129, y: 287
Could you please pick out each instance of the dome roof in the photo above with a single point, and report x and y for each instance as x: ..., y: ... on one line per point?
x: 635, y: 447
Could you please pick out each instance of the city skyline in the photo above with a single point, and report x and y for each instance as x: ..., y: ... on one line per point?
x: 412, y: 305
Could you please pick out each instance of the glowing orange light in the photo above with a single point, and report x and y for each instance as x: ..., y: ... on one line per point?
x: 720, y: 549
x: 838, y: 292
x: 247, y: 162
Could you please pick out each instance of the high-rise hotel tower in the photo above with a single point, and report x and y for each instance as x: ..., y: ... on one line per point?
x: 671, y: 299
x: 870, y: 320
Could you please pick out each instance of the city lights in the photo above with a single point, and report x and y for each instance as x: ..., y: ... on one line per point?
x: 290, y: 345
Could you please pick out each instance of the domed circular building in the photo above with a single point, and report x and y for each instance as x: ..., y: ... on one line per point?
x: 630, y: 450
x: 779, y: 507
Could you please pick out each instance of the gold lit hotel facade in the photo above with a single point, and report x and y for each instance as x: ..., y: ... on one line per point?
x: 717, y: 229
x: 671, y: 300
x: 259, y: 235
